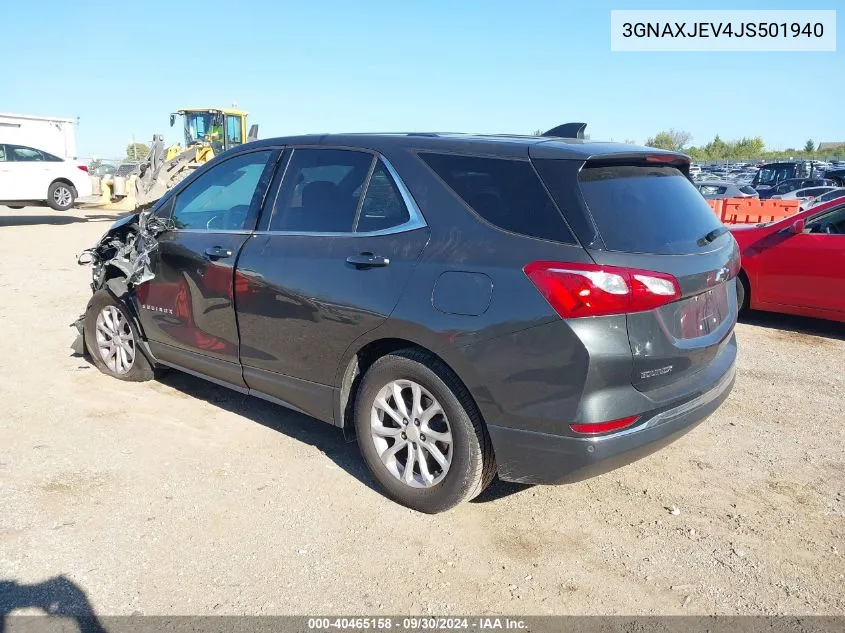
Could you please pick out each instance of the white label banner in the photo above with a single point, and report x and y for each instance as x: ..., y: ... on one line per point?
x: 710, y: 30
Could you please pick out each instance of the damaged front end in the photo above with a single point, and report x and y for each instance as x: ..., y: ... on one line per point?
x: 121, y: 259
x: 125, y: 249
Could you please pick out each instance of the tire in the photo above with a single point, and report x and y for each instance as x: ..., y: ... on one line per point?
x: 105, y: 308
x: 742, y: 294
x: 433, y: 488
x: 61, y: 196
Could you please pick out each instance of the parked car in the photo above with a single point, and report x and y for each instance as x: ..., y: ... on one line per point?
x: 837, y: 175
x: 771, y: 174
x: 838, y: 192
x: 795, y: 265
x: 431, y: 293
x: 718, y: 189
x: 806, y: 195
x: 28, y: 175
x: 788, y: 186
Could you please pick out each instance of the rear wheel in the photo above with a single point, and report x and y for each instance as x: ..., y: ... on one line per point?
x: 61, y: 196
x: 112, y: 340
x: 421, y: 434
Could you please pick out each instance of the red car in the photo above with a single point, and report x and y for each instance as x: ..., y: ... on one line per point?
x: 795, y: 265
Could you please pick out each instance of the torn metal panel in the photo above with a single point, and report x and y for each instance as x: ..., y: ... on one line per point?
x: 78, y: 345
x: 127, y: 247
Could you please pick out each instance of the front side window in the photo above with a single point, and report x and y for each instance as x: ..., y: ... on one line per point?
x: 831, y: 223
x: 321, y: 191
x: 233, y: 131
x: 222, y: 197
x: 811, y: 192
x: 22, y: 154
x: 2, y: 153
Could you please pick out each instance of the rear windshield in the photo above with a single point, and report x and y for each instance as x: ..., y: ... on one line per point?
x: 646, y: 209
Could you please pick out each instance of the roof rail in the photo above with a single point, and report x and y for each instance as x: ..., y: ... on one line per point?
x: 567, y: 130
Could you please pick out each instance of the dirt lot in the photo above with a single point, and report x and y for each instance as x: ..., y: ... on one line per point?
x: 180, y: 497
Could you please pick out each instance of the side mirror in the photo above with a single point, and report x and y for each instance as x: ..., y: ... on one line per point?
x: 797, y: 227
x: 172, y: 119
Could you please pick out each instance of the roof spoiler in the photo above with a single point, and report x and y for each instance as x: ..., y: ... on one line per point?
x: 567, y: 130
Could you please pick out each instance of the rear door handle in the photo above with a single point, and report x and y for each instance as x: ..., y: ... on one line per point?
x: 367, y: 260
x: 217, y: 252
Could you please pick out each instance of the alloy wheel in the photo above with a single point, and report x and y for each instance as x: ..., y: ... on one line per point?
x: 115, y: 340
x: 411, y: 434
x: 62, y: 196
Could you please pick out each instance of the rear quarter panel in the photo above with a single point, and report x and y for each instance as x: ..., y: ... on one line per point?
x: 478, y: 346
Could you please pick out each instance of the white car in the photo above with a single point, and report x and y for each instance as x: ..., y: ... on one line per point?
x: 805, y: 196
x: 30, y: 175
x: 838, y: 192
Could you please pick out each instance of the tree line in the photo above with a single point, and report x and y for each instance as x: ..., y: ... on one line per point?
x: 744, y: 148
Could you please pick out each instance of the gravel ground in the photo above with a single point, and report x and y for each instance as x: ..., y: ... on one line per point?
x: 181, y: 497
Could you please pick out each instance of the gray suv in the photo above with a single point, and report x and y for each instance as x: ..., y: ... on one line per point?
x: 540, y: 308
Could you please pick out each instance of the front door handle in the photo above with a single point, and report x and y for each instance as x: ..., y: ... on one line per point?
x: 367, y: 260
x: 217, y: 252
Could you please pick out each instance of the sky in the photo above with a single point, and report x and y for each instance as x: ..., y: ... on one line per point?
x: 407, y: 65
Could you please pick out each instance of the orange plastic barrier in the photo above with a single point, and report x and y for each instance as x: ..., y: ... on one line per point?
x: 752, y: 210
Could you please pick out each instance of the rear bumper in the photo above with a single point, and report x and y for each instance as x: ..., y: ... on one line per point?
x: 83, y: 187
x: 541, y: 458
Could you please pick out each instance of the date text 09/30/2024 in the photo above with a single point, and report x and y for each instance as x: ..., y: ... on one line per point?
x: 414, y: 624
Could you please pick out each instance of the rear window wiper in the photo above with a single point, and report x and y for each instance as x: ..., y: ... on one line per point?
x: 712, y: 235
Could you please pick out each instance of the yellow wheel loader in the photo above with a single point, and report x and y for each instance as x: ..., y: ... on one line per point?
x: 207, y: 132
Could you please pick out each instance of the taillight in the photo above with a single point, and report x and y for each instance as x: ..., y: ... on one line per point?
x: 584, y: 290
x: 594, y: 428
x: 662, y: 158
x: 83, y: 168
x: 734, y: 266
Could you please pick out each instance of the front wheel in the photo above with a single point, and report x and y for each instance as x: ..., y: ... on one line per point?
x: 420, y: 433
x: 61, y: 196
x: 113, y: 341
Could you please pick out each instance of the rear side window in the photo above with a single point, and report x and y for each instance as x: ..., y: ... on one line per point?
x: 321, y: 191
x: 646, y: 209
x: 506, y: 193
x: 383, y: 207
x: 749, y: 190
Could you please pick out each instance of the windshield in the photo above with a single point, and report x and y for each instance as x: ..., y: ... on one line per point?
x: 200, y: 128
x: 766, y: 176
